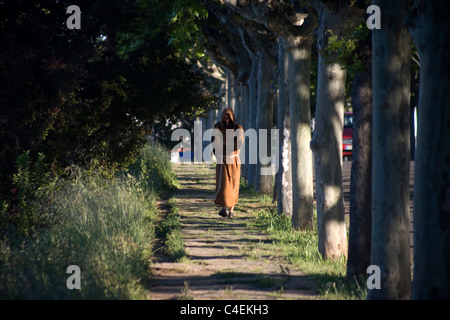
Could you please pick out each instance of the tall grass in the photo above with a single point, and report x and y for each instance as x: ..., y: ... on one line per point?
x: 104, y: 225
x: 154, y: 168
x: 169, y: 229
x: 106, y: 231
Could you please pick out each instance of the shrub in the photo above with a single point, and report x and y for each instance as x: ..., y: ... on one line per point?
x: 95, y: 219
x: 106, y: 230
x: 154, y: 169
x: 32, y: 182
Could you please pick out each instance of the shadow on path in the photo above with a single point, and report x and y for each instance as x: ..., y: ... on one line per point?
x: 226, y: 258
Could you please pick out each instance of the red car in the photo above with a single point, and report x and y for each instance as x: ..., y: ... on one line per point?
x: 347, y: 138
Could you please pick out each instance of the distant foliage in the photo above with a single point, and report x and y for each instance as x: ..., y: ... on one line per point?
x: 185, y: 25
x: 345, y: 49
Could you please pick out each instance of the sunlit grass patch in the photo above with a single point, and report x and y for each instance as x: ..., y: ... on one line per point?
x: 169, y: 229
x: 300, y: 247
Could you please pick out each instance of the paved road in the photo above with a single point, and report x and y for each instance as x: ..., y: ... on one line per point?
x: 347, y: 165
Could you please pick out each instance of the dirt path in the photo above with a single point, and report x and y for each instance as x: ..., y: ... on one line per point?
x: 226, y: 258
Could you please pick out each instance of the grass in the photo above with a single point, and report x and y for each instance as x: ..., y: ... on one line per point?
x: 300, y: 248
x: 186, y: 292
x: 154, y: 169
x: 169, y: 229
x: 105, y: 230
x: 105, y: 224
x: 265, y: 282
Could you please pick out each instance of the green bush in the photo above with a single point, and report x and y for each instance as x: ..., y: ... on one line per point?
x: 171, y: 221
x: 31, y: 181
x: 105, y: 230
x: 95, y: 219
x: 154, y: 169
x: 3, y: 211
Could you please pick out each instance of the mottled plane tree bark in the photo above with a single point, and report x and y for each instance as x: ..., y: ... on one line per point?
x: 266, y: 49
x: 284, y: 174
x: 428, y: 22
x: 390, y: 247
x: 252, y: 85
x: 361, y: 172
x: 334, y: 18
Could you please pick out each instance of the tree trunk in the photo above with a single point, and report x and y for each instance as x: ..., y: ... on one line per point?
x: 231, y: 97
x: 299, y: 57
x: 253, y: 94
x: 237, y: 102
x: 361, y: 175
x: 245, y: 108
x: 284, y: 174
x: 327, y: 146
x: 264, y: 120
x: 430, y: 29
x: 223, y: 100
x: 327, y: 139
x: 391, y: 155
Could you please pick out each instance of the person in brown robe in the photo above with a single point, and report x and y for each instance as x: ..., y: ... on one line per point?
x: 228, y: 168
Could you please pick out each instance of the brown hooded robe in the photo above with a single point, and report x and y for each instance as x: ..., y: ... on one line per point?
x: 228, y: 168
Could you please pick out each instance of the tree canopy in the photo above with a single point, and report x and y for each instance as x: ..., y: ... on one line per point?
x: 93, y: 92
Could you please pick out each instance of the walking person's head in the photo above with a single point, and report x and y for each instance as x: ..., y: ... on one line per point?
x: 228, y: 118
